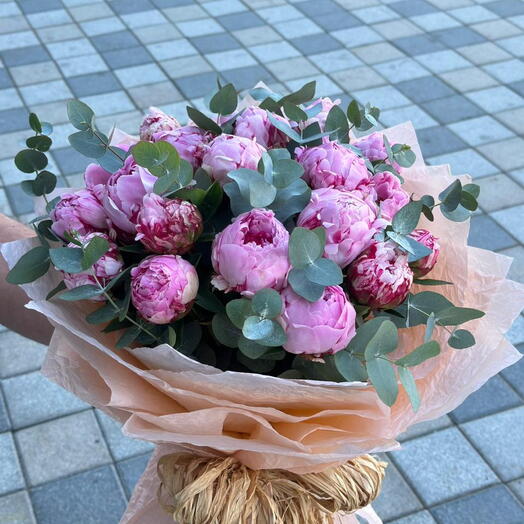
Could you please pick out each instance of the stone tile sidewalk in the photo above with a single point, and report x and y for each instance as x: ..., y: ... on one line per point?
x: 453, y: 67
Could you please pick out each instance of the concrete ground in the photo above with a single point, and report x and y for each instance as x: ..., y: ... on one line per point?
x: 454, y: 67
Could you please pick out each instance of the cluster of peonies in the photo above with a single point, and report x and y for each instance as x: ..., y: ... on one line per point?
x: 251, y: 253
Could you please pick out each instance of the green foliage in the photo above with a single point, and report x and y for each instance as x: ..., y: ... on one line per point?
x: 31, y: 266
x: 225, y: 100
x: 203, y: 121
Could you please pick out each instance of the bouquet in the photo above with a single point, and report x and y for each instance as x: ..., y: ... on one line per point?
x: 267, y: 290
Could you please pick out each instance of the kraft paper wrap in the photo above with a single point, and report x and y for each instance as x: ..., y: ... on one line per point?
x: 164, y: 397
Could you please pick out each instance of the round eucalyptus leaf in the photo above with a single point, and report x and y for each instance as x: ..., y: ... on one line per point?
x: 461, y: 339
x: 267, y: 303
x: 29, y: 161
x: 257, y: 328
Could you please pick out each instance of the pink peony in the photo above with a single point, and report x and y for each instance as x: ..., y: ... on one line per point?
x: 124, y: 194
x: 424, y: 265
x: 106, y: 268
x: 254, y: 123
x: 317, y: 328
x: 95, y: 176
x: 189, y: 141
x: 390, y: 194
x: 80, y: 212
x: 156, y: 121
x: 167, y: 226
x: 331, y: 165
x: 321, y: 117
x: 372, y: 147
x: 228, y: 152
x: 251, y: 253
x: 163, y: 288
x: 380, y: 277
x: 350, y: 222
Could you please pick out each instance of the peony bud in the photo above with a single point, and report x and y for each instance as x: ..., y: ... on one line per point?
x: 320, y: 117
x: 331, y: 165
x: 350, y: 223
x: 80, y: 212
x: 228, y: 152
x: 163, y: 288
x: 124, y: 194
x: 317, y: 328
x: 156, y: 121
x: 254, y: 123
x: 167, y: 226
x: 189, y: 141
x: 104, y: 269
x: 424, y: 265
x: 380, y: 277
x: 251, y: 253
x: 390, y: 195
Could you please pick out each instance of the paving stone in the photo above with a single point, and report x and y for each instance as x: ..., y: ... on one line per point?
x: 393, y: 29
x: 26, y: 74
x: 496, y: 29
x: 130, y: 471
x: 517, y: 486
x: 496, y: 99
x: 494, y: 396
x: 514, y: 119
x: 115, y: 40
x: 52, y: 401
x: 19, y: 354
x: 73, y: 443
x: 94, y: 84
x: 484, y: 506
x: 336, y: 21
x: 151, y: 94
x: 204, y: 26
x: 499, y: 191
x: 375, y: 14
x: 439, y: 140
x: 385, y: 97
x: 410, y: 8
x: 418, y: 44
x: 11, y: 478
x: 424, y: 89
x: 215, y: 43
x: 423, y: 428
x: 472, y: 14
x: 357, y: 36
x: 468, y: 79
x: 127, y: 57
x: 243, y: 77
x: 16, y: 509
x: 37, y: 6
x: 5, y: 423
x: 196, y: 85
x: 467, y: 161
x: 436, y: 480
x: 93, y: 497
x: 121, y: 447
x: 13, y: 119
x: 516, y: 333
x: 419, y: 118
x: 500, y: 440
x: 421, y: 517
x: 515, y: 374
x: 130, y: 6
x: 238, y: 21
x: 139, y: 75
x: 109, y: 103
x: 508, y: 154
x: 482, y: 130
x: 487, y: 234
x: 70, y: 161
x: 484, y: 53
x: 232, y: 59
x: 506, y: 8
x: 358, y: 78
x: 396, y: 497
x: 377, y: 53
x: 157, y: 33
x: 257, y: 35
x: 452, y: 109
x: 401, y: 69
x: 25, y: 55
x: 458, y: 36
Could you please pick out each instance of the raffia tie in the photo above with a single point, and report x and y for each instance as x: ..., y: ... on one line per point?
x: 199, y: 490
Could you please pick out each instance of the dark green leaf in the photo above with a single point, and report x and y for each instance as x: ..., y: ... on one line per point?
x: 337, y: 122
x: 285, y: 128
x: 304, y: 247
x: 80, y: 115
x: 453, y: 316
x: 52, y: 204
x: 458, y: 215
x: 112, y: 159
x: 29, y: 161
x: 225, y: 331
x: 303, y: 95
x: 461, y: 339
x: 293, y: 112
x: 382, y: 376
x: 238, y: 310
x: 450, y: 197
x: 30, y: 266
x: 60, y: 287
x: 468, y: 201
x: 303, y: 287
x: 267, y: 303
x: 291, y: 200
x: 421, y: 305
x: 203, y: 121
x: 166, y: 183
x: 250, y: 348
x: 68, y: 259
x: 80, y: 293
x: 407, y: 217
x: 364, y: 335
x: 354, y: 114
x: 422, y: 353
x: 324, y: 272
x: 383, y: 341
x: 129, y: 336
x: 431, y: 282
x: 102, y: 315
x: 472, y: 189
x: 350, y: 367
x: 276, y: 338
x: 87, y: 144
x: 207, y: 300
x: 34, y: 123
x: 44, y: 183
x: 224, y: 102
x: 405, y: 157
x: 40, y: 142
x: 408, y: 381
x: 258, y: 365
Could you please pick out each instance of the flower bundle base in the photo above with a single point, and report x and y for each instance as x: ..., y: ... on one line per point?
x: 201, y: 490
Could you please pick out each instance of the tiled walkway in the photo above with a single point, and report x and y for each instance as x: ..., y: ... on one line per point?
x: 454, y: 67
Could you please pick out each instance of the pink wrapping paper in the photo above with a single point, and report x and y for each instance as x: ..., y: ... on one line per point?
x: 265, y: 422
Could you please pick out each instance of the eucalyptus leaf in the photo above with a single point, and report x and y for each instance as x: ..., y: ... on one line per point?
x: 34, y: 123
x: 382, y: 376
x: 461, y: 339
x: 431, y: 282
x: 430, y: 326
x: 267, y: 303
x: 80, y: 115
x: 450, y: 197
x: 420, y: 354
x: 293, y: 112
x: 302, y: 95
x: 128, y: 337
x: 207, y: 300
x: 350, y: 367
x: 102, y: 315
x: 303, y: 287
x: 407, y: 218
x: 30, y: 160
x: 44, y: 183
x: 238, y: 310
x: 94, y: 251
x: 285, y: 128
x: 453, y: 316
x: 225, y: 331
x: 364, y: 334
x: 203, y: 121
x: 353, y: 114
x: 68, y: 259
x: 30, y: 266
x: 324, y: 272
x: 86, y: 143
x: 59, y: 287
x: 40, y: 142
x: 250, y: 348
x: 408, y: 381
x: 304, y: 247
x: 224, y: 102
x: 421, y: 305
x: 337, y: 122
x: 81, y: 293
x: 257, y: 328
x: 383, y: 341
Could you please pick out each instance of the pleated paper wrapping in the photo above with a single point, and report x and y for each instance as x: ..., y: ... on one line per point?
x: 265, y: 422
